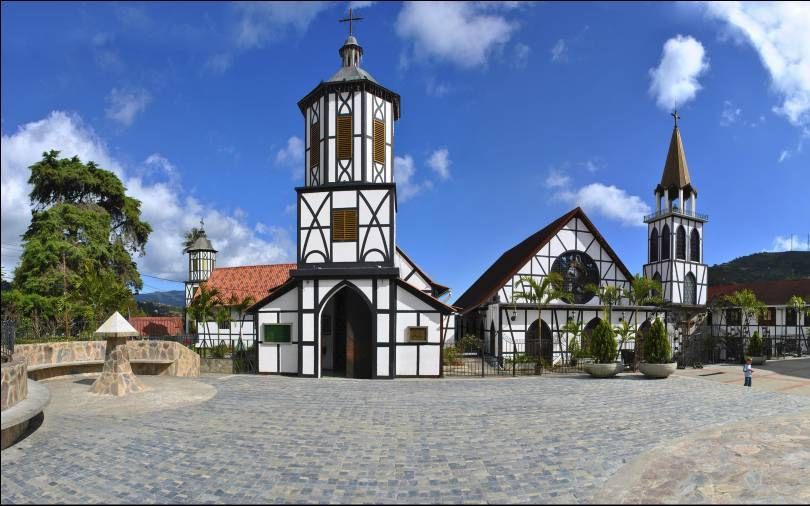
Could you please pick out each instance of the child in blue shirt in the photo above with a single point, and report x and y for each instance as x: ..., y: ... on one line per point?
x: 748, y: 371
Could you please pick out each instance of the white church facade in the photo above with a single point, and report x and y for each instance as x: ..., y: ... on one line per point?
x: 573, y: 247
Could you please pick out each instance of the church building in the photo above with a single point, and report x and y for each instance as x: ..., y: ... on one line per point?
x: 354, y: 304
x: 573, y: 247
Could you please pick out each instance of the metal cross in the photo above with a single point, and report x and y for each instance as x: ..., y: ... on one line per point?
x: 350, y: 19
x: 202, y: 224
x: 675, y: 115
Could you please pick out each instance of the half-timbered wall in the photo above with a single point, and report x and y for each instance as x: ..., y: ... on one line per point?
x: 673, y: 270
x: 376, y: 212
x: 279, y: 357
x: 574, y: 236
x: 410, y: 274
x: 779, y: 328
x: 363, y: 108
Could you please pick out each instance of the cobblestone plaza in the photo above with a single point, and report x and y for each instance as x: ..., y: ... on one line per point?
x: 236, y: 439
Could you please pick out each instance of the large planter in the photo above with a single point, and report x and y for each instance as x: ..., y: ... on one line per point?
x: 604, y: 370
x: 657, y: 370
x: 758, y: 360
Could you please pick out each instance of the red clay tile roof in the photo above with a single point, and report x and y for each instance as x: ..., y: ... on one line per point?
x: 510, y: 262
x: 772, y: 293
x: 156, y: 326
x: 256, y: 281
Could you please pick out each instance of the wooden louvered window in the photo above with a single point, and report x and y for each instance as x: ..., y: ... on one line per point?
x: 344, y: 137
x: 344, y: 225
x: 379, y: 141
x: 315, y: 144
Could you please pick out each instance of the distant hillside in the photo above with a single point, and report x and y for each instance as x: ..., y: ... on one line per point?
x: 761, y: 267
x: 174, y: 298
x: 157, y: 309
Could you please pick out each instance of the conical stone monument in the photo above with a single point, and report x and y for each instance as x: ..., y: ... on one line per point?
x: 117, y: 377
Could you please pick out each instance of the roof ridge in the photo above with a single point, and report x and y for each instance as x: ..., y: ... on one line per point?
x: 249, y: 266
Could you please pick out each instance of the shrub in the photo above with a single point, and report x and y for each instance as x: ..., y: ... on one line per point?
x: 755, y: 345
x: 220, y: 350
x: 450, y: 355
x: 656, y: 345
x: 574, y: 351
x: 468, y: 343
x: 602, y: 343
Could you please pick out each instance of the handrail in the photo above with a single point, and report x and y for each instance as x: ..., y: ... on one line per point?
x: 676, y: 210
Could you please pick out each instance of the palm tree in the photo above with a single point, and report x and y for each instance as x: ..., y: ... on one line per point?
x: 190, y: 237
x: 626, y: 333
x: 799, y: 306
x: 241, y: 305
x: 201, y: 307
x: 644, y: 291
x: 608, y: 295
x: 747, y: 302
x: 574, y: 330
x: 541, y: 293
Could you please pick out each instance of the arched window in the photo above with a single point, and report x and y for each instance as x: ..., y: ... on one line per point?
x: 690, y: 289
x: 665, y: 243
x: 657, y: 277
x: 694, y: 246
x: 654, y: 245
x: 680, y: 243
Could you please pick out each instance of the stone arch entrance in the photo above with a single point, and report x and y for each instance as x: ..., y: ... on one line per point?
x: 586, y: 333
x: 539, y: 341
x: 346, y: 334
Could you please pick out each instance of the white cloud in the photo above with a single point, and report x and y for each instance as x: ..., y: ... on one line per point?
x: 591, y: 165
x: 557, y: 179
x: 360, y: 5
x: 608, y: 201
x: 291, y: 156
x: 219, y: 62
x: 463, y: 33
x: 675, y: 80
x: 260, y: 22
x: 784, y: 155
x: 730, y: 114
x: 559, y: 52
x: 435, y: 88
x: 405, y: 175
x: 164, y: 204
x: 778, y: 31
x: 521, y: 55
x: 440, y: 162
x: 123, y: 105
x: 781, y: 243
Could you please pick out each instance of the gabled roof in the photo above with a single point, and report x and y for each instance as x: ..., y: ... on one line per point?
x: 157, y: 325
x: 772, y: 293
x: 676, y: 172
x: 201, y: 243
x: 508, y: 264
x: 427, y: 298
x: 438, y: 288
x: 256, y: 281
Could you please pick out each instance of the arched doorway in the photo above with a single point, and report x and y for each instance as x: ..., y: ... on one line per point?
x: 586, y: 334
x: 641, y: 335
x: 347, y: 344
x: 540, y: 343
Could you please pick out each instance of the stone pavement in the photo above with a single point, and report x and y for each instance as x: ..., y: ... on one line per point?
x: 790, y: 375
x: 277, y: 439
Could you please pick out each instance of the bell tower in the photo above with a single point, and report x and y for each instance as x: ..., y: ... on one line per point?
x: 675, y: 232
x: 201, y: 260
x: 347, y: 206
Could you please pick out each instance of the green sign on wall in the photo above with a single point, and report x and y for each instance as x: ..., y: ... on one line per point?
x: 277, y: 332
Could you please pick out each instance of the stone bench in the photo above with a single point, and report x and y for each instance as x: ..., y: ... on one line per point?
x: 50, y: 360
x: 17, y: 417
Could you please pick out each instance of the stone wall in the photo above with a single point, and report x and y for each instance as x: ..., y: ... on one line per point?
x: 14, y: 383
x: 217, y: 365
x: 184, y: 362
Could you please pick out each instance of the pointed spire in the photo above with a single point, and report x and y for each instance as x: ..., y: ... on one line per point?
x: 676, y: 171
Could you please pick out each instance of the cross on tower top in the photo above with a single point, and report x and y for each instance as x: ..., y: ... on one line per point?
x: 202, y: 224
x: 350, y: 19
x: 675, y: 115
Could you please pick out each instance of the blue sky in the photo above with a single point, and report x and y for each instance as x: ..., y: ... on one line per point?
x: 512, y: 114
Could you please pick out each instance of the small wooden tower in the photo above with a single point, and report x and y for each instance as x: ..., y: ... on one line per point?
x: 201, y: 260
x: 675, y: 232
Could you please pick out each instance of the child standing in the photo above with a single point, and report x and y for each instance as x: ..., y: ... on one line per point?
x: 748, y: 371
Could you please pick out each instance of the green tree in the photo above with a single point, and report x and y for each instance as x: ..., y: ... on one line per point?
x: 240, y: 305
x: 541, y: 293
x: 574, y: 331
x: 202, y: 305
x: 603, y: 343
x: 608, y: 295
x: 77, y: 251
x: 657, y: 349
x: 800, y: 306
x: 644, y: 291
x: 190, y: 237
x: 626, y: 332
x: 746, y: 300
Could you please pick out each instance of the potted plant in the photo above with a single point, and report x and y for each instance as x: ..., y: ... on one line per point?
x: 755, y: 349
x: 657, y: 353
x: 603, y: 348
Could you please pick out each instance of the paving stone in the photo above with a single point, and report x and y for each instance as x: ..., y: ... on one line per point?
x: 264, y: 439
